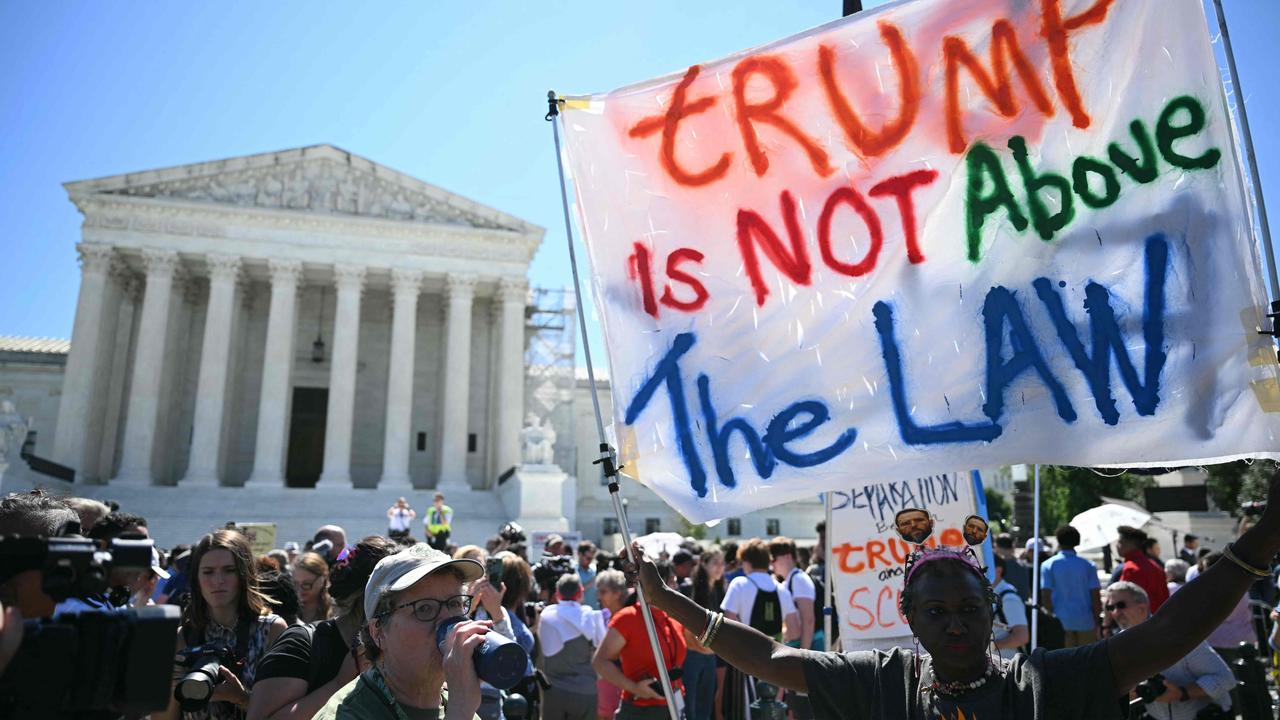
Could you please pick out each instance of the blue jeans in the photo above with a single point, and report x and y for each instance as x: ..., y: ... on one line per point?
x: 699, y: 686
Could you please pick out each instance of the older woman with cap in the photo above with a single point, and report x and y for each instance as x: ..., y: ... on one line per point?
x: 408, y: 595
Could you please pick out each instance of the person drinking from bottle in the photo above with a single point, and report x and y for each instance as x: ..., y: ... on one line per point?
x: 408, y: 595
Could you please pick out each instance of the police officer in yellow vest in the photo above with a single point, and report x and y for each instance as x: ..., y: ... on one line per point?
x: 439, y: 522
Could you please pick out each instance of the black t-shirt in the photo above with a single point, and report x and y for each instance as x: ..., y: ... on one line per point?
x: 1074, y: 684
x: 312, y: 655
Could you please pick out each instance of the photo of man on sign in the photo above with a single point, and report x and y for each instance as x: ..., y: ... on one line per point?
x: 914, y: 525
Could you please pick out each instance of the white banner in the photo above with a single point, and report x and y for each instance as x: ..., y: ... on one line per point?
x: 936, y: 234
x: 868, y: 557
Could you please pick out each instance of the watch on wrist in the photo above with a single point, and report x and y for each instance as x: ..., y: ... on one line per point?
x: 1185, y: 695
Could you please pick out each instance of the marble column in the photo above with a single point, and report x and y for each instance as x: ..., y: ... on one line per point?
x: 79, y: 378
x: 211, y: 387
x: 405, y: 285
x: 512, y: 294
x: 277, y: 375
x: 459, y: 295
x: 342, y: 378
x: 113, y: 415
x: 148, y: 369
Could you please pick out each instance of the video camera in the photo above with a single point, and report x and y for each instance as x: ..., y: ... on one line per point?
x: 74, y: 566
x: 87, y: 663
x: 549, y: 569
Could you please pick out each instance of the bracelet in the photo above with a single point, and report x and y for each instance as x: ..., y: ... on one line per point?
x: 709, y: 632
x: 715, y: 630
x: 1229, y: 554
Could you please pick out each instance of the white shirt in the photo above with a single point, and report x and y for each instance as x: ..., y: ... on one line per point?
x: 740, y: 597
x: 399, y: 520
x: 1015, y: 612
x: 565, y: 621
x: 800, y: 585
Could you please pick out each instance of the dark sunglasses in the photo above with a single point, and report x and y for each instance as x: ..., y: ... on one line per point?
x: 1112, y: 607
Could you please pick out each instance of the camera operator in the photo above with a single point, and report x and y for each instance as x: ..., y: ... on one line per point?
x: 227, y: 611
x: 21, y: 596
x: 1193, y: 683
x: 32, y: 514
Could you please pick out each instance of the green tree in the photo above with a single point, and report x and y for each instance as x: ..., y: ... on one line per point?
x: 1235, y: 483
x: 1068, y: 491
x: 688, y: 529
x: 998, y: 508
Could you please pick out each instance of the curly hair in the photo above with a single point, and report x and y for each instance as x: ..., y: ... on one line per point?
x: 348, y: 576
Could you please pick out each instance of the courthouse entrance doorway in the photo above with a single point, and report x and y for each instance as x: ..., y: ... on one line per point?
x: 306, y: 437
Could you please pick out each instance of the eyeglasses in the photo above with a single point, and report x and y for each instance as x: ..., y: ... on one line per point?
x: 1112, y: 607
x: 428, y: 609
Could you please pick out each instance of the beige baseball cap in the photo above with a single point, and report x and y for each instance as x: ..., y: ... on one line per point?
x: 397, y: 572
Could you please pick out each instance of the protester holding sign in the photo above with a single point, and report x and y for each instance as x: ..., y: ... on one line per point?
x: 947, y: 601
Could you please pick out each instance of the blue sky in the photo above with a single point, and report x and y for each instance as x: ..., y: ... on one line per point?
x: 452, y: 93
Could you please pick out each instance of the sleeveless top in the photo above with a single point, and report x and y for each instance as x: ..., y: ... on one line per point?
x: 258, y: 633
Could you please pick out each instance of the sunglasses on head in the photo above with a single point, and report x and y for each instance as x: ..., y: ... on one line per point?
x: 1112, y: 607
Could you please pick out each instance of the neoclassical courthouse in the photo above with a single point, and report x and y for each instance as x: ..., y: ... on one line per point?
x: 300, y: 337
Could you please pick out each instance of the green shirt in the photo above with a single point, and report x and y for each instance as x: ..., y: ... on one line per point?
x: 360, y: 699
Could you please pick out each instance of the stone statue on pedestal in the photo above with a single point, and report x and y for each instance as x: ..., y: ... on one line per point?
x: 537, y: 442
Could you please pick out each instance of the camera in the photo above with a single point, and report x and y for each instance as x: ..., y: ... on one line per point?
x: 1146, y: 692
x: 75, y: 665
x: 74, y: 566
x: 549, y: 570
x: 202, y: 663
x: 1150, y: 689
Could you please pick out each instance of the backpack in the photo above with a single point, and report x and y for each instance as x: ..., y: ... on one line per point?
x: 766, y: 612
x: 1000, y: 605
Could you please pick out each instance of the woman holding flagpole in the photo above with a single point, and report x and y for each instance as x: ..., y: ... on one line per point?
x: 947, y: 601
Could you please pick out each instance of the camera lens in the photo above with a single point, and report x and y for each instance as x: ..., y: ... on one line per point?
x: 195, y: 688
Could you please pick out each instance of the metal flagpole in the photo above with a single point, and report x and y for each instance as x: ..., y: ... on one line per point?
x: 1264, y: 227
x: 828, y: 574
x: 607, y: 460
x: 1035, y: 565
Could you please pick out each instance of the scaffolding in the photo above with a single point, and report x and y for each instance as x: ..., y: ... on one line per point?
x: 550, y: 378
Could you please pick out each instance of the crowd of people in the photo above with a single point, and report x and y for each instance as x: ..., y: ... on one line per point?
x: 345, y: 628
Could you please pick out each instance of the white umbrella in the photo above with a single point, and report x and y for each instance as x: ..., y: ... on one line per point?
x: 1098, y: 525
x: 654, y: 544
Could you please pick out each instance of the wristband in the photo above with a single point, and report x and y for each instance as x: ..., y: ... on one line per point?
x: 1230, y: 554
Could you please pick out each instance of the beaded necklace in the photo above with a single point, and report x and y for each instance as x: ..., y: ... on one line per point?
x: 957, y: 688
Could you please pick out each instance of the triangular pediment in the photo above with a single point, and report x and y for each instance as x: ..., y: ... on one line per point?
x: 315, y: 179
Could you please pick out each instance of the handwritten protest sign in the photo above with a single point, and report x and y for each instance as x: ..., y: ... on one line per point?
x: 868, y: 557
x: 939, y: 233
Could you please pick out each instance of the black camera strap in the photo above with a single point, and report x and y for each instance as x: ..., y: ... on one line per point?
x: 243, y: 628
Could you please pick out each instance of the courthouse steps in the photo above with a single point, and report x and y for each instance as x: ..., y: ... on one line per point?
x: 181, y: 514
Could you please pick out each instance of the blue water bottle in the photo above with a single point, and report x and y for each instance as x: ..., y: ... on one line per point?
x: 499, y: 661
